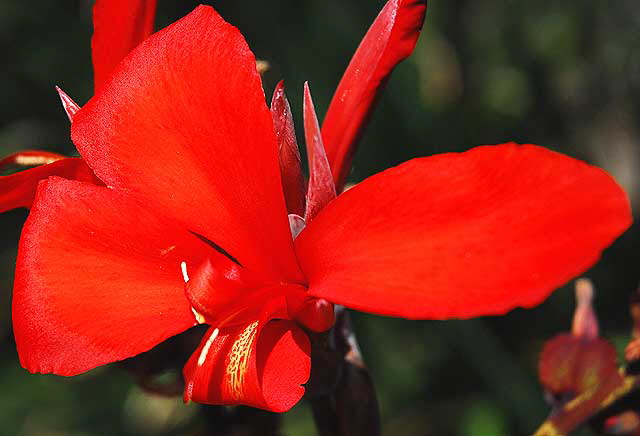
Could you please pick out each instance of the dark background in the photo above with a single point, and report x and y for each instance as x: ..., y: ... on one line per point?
x: 565, y: 75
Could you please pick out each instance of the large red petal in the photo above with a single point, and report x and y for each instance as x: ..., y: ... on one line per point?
x: 463, y: 234
x: 390, y: 39
x: 184, y: 127
x: 19, y: 189
x: 259, y: 364
x: 118, y: 27
x: 98, y: 279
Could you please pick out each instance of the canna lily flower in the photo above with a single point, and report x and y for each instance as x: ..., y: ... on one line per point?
x: 201, y: 220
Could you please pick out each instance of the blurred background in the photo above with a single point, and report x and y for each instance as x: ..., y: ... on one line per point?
x: 565, y: 75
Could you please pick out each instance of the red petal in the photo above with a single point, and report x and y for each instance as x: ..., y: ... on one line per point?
x: 184, y: 127
x: 390, y: 39
x: 290, y: 169
x: 98, y: 279
x: 226, y: 293
x: 569, y: 364
x: 316, y: 314
x: 19, y: 189
x: 463, y: 234
x: 71, y: 108
x: 118, y: 27
x: 321, y: 189
x: 258, y: 365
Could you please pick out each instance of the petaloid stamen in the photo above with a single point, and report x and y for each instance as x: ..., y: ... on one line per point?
x: 199, y: 317
x: 205, y: 350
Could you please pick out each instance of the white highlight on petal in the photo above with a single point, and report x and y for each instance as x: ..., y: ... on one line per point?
x: 185, y: 275
x: 29, y: 161
x: 205, y: 350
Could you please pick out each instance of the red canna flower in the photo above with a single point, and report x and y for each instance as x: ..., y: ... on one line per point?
x: 192, y: 225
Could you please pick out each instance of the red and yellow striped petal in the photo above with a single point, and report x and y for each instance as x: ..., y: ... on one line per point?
x: 262, y: 364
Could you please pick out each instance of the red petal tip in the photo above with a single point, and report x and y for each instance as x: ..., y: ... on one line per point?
x: 321, y: 189
x: 390, y: 39
x: 288, y: 151
x: 70, y: 106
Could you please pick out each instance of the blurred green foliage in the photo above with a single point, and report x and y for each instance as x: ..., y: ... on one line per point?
x: 561, y: 74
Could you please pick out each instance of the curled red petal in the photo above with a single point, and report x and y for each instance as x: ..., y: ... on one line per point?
x: 316, y: 314
x: 97, y: 279
x: 260, y: 364
x: 321, y: 189
x: 184, y: 127
x: 459, y: 235
x: 19, y: 189
x: 118, y: 27
x: 289, y: 154
x: 71, y: 108
x: 224, y: 293
x: 390, y: 39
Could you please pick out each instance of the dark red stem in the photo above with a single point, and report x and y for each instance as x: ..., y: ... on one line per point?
x: 341, y: 391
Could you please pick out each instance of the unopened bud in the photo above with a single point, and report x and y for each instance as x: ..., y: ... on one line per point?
x: 585, y: 323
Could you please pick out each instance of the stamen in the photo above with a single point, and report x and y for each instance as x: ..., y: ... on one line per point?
x: 185, y: 275
x: 205, y: 350
x: 199, y: 317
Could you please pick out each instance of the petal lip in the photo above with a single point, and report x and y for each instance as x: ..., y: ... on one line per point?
x: 460, y: 235
x: 94, y: 285
x: 262, y: 364
x: 119, y: 26
x: 390, y: 39
x: 170, y: 128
